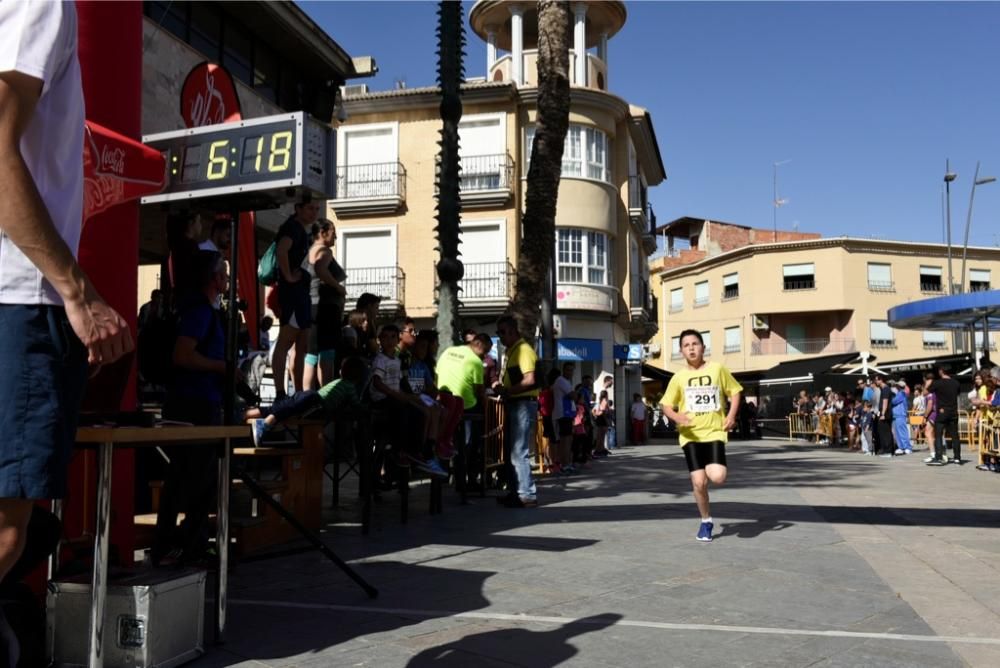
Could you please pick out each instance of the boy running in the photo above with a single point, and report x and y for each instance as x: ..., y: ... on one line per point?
x: 694, y: 400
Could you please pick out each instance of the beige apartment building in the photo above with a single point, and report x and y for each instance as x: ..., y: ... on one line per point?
x: 763, y: 302
x: 385, y: 206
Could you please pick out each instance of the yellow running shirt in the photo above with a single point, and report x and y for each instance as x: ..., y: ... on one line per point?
x: 699, y: 393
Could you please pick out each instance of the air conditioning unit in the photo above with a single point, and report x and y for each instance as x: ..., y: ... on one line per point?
x: 760, y: 321
x: 354, y: 89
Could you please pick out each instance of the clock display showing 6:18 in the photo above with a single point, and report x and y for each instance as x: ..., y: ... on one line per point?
x: 269, y: 153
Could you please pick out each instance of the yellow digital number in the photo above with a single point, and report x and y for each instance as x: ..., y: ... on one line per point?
x: 284, y: 151
x: 260, y: 147
x: 218, y: 165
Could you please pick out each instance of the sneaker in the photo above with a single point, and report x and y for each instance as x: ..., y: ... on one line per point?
x: 899, y: 451
x: 928, y: 460
x: 515, y: 501
x: 958, y: 461
x: 936, y: 462
x: 431, y: 466
x: 705, y: 532
x: 907, y: 452
x: 259, y: 427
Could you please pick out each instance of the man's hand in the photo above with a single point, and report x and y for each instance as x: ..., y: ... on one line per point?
x: 99, y: 327
x: 729, y: 423
x: 682, y: 419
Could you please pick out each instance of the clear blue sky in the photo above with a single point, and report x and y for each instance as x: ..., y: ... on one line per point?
x: 866, y: 100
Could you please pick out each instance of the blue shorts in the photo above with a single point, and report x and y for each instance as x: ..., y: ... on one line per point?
x: 296, y: 308
x: 44, y: 372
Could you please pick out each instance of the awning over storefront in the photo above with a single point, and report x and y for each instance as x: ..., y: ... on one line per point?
x: 950, y: 312
x: 652, y: 373
x: 806, y: 370
x: 955, y: 365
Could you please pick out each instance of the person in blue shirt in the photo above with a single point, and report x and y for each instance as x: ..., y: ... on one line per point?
x: 901, y: 419
x: 194, y: 396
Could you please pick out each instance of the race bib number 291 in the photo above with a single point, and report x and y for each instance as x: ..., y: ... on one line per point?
x: 704, y: 399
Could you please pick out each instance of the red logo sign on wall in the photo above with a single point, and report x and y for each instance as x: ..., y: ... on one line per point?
x: 209, y: 96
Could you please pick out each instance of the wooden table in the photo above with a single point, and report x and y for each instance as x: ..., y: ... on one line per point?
x: 106, y: 439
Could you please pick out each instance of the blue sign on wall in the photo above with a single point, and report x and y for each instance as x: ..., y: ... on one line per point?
x: 579, y: 350
x: 628, y: 352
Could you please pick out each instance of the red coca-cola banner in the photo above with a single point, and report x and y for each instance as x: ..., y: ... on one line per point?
x: 117, y: 169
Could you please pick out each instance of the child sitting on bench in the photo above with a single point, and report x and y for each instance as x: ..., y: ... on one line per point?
x: 339, y: 397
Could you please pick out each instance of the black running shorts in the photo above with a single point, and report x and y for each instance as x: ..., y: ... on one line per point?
x: 700, y: 455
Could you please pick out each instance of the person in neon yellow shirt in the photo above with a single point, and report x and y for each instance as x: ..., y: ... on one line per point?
x: 695, y: 400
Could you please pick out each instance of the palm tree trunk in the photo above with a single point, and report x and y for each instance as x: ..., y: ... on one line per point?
x: 451, y: 72
x: 538, y: 240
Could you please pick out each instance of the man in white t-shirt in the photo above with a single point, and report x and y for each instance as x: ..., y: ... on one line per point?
x: 637, y: 414
x: 563, y: 412
x: 53, y: 320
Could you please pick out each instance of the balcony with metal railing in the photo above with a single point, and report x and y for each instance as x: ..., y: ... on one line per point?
x: 485, y: 286
x: 369, y: 189
x: 386, y: 282
x: 643, y: 310
x: 486, y: 180
x: 640, y: 212
x: 881, y: 286
x: 802, y: 346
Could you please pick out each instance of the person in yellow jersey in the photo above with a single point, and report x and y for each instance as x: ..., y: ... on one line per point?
x: 696, y: 401
x: 518, y: 388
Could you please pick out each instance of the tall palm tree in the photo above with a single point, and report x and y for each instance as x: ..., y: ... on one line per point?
x: 451, y: 73
x: 539, y: 223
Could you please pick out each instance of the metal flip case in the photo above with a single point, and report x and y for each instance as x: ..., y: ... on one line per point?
x: 154, y: 619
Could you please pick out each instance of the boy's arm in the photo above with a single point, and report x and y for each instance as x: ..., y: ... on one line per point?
x: 734, y: 408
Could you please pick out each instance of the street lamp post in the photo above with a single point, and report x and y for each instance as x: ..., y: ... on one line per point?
x: 976, y: 181
x: 949, y: 176
x: 777, y: 201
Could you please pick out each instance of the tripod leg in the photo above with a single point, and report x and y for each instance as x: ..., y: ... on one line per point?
x: 307, y: 534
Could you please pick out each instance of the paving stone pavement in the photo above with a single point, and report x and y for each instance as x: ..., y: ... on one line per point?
x: 821, y: 558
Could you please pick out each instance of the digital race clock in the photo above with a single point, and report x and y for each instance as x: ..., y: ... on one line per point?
x: 256, y: 163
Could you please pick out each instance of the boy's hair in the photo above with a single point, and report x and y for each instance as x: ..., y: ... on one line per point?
x: 389, y: 328
x: 552, y: 376
x: 868, y: 404
x: 485, y: 340
x: 352, y: 369
x: 367, y: 299
x: 635, y: 396
x: 691, y: 332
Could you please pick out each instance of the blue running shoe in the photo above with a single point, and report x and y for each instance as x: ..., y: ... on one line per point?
x: 259, y: 427
x: 705, y: 532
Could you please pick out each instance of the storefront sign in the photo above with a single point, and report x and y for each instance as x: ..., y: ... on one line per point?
x: 586, y: 298
x: 629, y: 352
x: 579, y: 350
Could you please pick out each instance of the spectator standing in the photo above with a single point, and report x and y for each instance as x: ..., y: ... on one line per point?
x: 52, y: 318
x: 546, y: 410
x: 195, y: 396
x: 901, y: 419
x: 946, y: 389
x: 293, y: 294
x: 219, y: 238
x: 601, y: 425
x: 519, y: 390
x: 153, y: 309
x: 459, y: 370
x: 637, y: 414
x: 326, y: 296
x: 564, y: 410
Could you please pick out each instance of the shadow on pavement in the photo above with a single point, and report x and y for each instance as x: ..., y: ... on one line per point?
x: 521, y: 647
